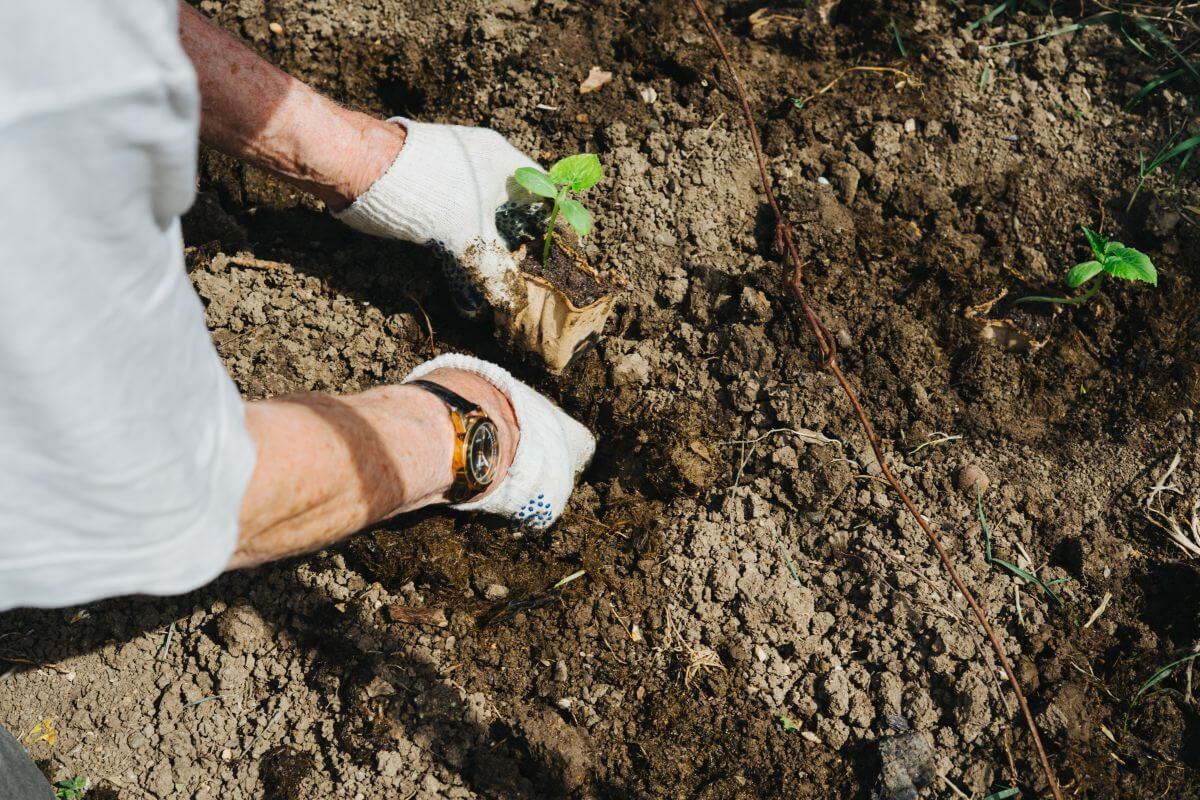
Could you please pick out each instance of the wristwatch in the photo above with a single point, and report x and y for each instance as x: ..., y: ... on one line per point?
x: 476, y: 444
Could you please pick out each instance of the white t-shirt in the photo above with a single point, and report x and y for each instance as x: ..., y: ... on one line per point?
x: 123, y: 452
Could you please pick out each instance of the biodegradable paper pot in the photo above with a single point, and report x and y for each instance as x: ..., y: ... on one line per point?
x: 1015, y: 335
x: 555, y: 327
x: 551, y: 324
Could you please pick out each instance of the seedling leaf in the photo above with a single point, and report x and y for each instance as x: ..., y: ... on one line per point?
x: 1082, y: 273
x: 1030, y: 577
x: 577, y: 216
x: 1096, y: 241
x: 787, y: 723
x: 991, y: 15
x: 1132, y: 265
x: 1004, y: 794
x: 1149, y: 28
x: 1182, y: 147
x: 70, y: 789
x: 1152, y: 85
x: 573, y: 576
x: 1162, y: 674
x: 535, y: 181
x: 580, y: 172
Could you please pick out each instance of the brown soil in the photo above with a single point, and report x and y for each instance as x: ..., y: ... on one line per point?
x: 743, y: 561
x: 569, y: 271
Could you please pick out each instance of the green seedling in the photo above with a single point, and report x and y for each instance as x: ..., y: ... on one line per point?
x: 70, y: 789
x: 1161, y: 675
x: 787, y: 723
x: 992, y: 561
x: 1186, y: 148
x: 571, y: 175
x: 1111, y: 258
x: 1004, y: 794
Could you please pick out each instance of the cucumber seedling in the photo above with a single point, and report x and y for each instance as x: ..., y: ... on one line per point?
x: 568, y: 176
x: 1110, y: 258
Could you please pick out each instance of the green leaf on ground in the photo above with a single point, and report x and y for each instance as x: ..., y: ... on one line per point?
x: 70, y: 789
x: 1004, y: 794
x: 1162, y: 674
x: 787, y: 723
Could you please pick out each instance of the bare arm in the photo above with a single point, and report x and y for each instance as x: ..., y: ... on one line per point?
x: 329, y: 466
x: 256, y: 112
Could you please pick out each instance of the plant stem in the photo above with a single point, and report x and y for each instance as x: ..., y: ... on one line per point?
x: 550, y: 224
x: 1066, y: 301
x: 1141, y: 182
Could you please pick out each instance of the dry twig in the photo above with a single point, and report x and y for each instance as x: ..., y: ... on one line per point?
x: 1104, y: 601
x: 699, y: 657
x: 785, y: 243
x: 1183, y: 534
x: 908, y: 80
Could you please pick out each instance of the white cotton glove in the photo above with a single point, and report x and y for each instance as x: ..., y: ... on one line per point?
x: 551, y: 453
x: 443, y: 190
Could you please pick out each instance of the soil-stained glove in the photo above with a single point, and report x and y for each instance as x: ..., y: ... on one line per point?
x: 551, y: 453
x: 444, y: 190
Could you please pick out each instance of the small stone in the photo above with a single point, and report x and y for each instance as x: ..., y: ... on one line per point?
x: 595, y: 79
x: 276, y: 28
x: 845, y: 178
x: 971, y: 478
x: 910, y: 125
x: 907, y: 765
x: 560, y: 671
x: 136, y: 740
x: 755, y: 305
x: 631, y: 370
x: 495, y: 591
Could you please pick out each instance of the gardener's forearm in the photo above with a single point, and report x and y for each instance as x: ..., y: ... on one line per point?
x: 328, y: 466
x: 256, y: 112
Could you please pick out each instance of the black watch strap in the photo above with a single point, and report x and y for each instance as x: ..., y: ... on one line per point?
x: 453, y: 399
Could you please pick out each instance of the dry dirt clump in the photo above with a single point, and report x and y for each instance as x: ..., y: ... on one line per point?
x: 758, y: 617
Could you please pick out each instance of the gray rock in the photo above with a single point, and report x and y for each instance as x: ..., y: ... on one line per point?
x: 906, y: 766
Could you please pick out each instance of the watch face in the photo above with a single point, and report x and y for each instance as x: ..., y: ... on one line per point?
x: 483, y: 452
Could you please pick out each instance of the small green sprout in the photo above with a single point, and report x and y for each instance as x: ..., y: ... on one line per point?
x: 1162, y: 674
x: 1111, y: 258
x: 571, y: 175
x: 70, y: 789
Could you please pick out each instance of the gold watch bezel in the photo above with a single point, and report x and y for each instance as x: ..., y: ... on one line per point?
x: 466, y: 484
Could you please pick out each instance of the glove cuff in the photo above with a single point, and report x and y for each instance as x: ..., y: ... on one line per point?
x: 552, y: 450
x: 412, y: 198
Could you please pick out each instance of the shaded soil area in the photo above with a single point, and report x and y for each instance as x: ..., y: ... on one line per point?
x: 757, y: 616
